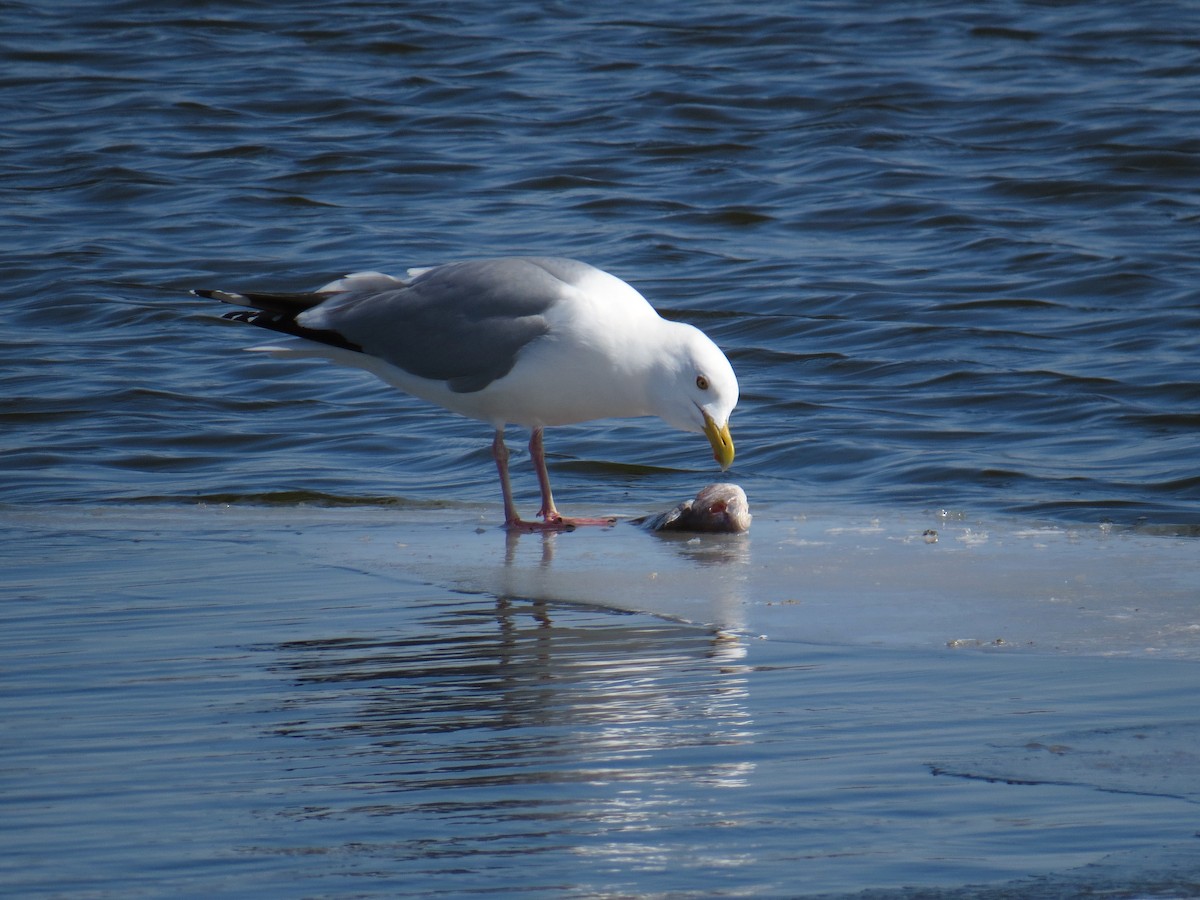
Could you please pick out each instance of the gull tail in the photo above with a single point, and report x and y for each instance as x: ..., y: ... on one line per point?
x: 278, y: 312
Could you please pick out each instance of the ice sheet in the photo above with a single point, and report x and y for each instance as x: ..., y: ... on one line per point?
x: 895, y: 580
x: 833, y: 577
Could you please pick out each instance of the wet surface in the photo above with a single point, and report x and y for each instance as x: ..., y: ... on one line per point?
x: 251, y: 699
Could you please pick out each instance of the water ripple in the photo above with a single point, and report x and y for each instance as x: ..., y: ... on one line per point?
x: 884, y: 218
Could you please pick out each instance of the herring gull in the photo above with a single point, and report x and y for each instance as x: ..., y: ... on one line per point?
x: 526, y: 341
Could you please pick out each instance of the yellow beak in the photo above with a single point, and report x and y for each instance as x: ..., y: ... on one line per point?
x: 721, y: 440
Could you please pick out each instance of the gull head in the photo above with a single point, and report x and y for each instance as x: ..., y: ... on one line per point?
x: 698, y: 391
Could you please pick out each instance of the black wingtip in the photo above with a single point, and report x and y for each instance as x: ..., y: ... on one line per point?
x: 286, y: 325
x: 249, y: 316
x: 285, y: 303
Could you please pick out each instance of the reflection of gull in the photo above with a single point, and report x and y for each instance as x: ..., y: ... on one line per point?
x: 698, y: 578
x: 523, y: 341
x: 512, y: 543
x: 531, y: 709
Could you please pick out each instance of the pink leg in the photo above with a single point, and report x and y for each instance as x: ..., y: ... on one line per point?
x: 500, y: 454
x: 548, y: 512
x: 537, y: 451
x: 512, y: 519
x: 551, y: 520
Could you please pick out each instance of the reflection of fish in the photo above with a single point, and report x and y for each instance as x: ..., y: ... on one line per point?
x: 719, y: 508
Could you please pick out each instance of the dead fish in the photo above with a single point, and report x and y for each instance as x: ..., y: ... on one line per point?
x: 718, y: 509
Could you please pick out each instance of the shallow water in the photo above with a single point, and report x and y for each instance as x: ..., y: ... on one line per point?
x: 953, y: 257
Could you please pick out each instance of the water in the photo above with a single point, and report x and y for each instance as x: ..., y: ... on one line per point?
x: 953, y: 254
x: 243, y: 717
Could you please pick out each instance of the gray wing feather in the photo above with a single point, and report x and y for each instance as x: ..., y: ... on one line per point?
x: 462, y: 323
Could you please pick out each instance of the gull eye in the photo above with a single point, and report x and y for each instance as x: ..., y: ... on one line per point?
x: 702, y: 382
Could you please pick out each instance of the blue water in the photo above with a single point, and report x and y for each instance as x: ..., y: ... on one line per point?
x: 953, y: 252
x: 953, y: 255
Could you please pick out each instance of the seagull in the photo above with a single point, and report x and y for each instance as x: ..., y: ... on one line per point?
x: 527, y: 341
